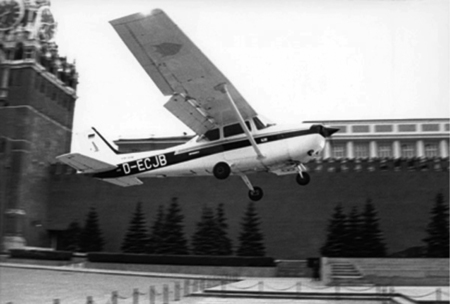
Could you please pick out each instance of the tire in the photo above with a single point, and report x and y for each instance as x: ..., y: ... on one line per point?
x: 303, y: 181
x: 255, y: 195
x: 221, y: 170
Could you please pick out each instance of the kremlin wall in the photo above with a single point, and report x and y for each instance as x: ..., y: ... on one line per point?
x: 293, y: 218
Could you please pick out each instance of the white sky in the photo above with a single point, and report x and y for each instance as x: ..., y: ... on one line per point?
x: 292, y: 60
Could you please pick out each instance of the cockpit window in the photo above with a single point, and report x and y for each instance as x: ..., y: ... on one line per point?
x: 213, y: 134
x: 235, y: 129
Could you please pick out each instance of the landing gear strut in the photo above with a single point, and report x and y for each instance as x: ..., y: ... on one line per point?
x: 254, y: 193
x: 303, y: 177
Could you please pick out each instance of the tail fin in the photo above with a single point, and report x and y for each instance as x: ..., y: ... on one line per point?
x: 94, y: 145
x: 92, y: 153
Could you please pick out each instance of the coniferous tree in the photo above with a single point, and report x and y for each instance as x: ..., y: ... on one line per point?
x: 225, y: 246
x: 71, y: 237
x: 174, y: 240
x: 91, y: 236
x: 372, y: 244
x: 336, y: 235
x: 157, y: 235
x: 437, y: 240
x: 205, y: 239
x: 136, y: 239
x: 251, y: 241
x: 354, y: 238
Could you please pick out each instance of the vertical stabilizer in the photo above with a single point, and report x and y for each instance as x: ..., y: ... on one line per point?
x: 91, y: 143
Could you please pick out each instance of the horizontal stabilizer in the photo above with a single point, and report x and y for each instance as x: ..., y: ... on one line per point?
x: 85, y: 164
x: 124, y: 181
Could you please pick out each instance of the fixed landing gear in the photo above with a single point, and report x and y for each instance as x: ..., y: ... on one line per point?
x: 254, y: 193
x: 303, y: 180
x: 222, y: 170
x: 302, y: 177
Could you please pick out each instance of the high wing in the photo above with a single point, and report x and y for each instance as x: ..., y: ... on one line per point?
x: 180, y: 70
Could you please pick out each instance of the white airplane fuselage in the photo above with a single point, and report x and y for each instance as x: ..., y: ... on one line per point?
x: 281, y: 146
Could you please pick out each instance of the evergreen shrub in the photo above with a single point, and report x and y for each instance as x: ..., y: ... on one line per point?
x: 40, y: 254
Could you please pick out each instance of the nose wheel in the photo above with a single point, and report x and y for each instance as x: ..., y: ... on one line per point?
x: 254, y: 193
x: 303, y: 177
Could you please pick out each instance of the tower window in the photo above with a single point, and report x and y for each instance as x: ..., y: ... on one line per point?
x: 29, y: 54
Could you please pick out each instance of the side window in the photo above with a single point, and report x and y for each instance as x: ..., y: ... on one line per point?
x: 235, y: 129
x: 213, y: 134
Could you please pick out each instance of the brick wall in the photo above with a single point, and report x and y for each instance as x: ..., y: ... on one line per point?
x: 294, y: 218
x: 34, y: 141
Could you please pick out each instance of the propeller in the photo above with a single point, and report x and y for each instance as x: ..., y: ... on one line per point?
x: 328, y: 131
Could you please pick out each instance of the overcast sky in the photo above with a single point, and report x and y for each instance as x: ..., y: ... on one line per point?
x: 291, y: 60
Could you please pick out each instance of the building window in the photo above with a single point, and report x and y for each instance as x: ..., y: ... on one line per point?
x: 431, y: 150
x: 385, y: 150
x: 408, y: 150
x: 338, y: 151
x: 383, y: 128
x: 361, y: 150
x: 360, y: 129
x: 430, y: 127
x: 29, y: 53
x: 407, y: 128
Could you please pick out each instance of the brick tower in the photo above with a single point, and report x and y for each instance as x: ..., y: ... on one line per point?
x: 37, y: 99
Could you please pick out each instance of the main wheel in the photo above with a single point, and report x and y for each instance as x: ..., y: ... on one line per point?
x: 256, y: 194
x: 221, y: 170
x: 303, y: 180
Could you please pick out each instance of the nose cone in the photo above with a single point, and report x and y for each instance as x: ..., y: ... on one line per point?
x: 327, y: 132
x: 324, y: 131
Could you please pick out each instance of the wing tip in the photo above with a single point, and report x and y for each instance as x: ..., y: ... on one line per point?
x: 157, y: 11
x: 136, y: 16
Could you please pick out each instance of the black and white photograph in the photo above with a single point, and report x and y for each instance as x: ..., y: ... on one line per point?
x: 209, y: 152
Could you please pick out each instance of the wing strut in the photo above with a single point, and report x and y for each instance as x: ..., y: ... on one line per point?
x: 242, y: 122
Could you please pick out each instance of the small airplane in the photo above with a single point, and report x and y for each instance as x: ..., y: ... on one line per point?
x: 231, y: 138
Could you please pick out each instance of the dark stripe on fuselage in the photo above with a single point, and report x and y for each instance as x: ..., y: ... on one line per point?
x: 172, y: 158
